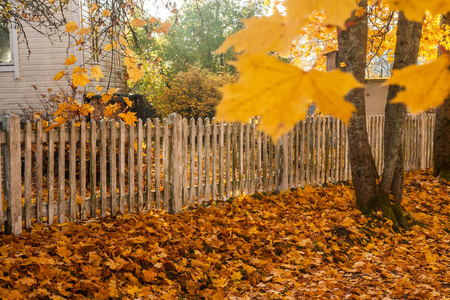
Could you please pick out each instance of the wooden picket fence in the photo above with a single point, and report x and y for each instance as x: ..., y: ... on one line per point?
x: 79, y: 172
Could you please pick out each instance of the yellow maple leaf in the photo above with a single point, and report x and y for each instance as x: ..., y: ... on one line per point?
x: 106, y: 13
x: 71, y: 27
x: 59, y: 75
x: 84, y: 31
x: 149, y: 276
x: 138, y: 23
x: 129, y: 118
x: 108, y: 47
x: 236, y: 276
x: 414, y: 10
x: 426, y: 85
x: 279, y: 93
x: 79, y: 41
x: 99, y: 88
x: 106, y: 98
x: 135, y: 74
x: 96, y: 72
x: 123, y: 41
x: 336, y: 12
x: 110, y: 110
x: 70, y: 60
x: 277, y: 36
x: 112, y: 91
x: 80, y: 78
x: 127, y: 101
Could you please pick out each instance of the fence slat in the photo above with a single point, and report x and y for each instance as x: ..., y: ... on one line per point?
x: 271, y: 164
x: 166, y: 155
x: 122, y: 142
x: 27, y: 175
x: 185, y: 161
x: 296, y: 153
x: 227, y: 160
x: 83, y: 205
x: 93, y: 169
x: 221, y: 162
x: 11, y: 125
x: 72, y: 172
x: 302, y: 159
x: 241, y: 158
x: 51, y: 176
x: 192, y: 164
x: 131, y: 170
x: 148, y: 163
x: 103, y: 174
x: 62, y: 176
x: 214, y: 162
x: 112, y: 167
x: 207, y: 159
x: 264, y: 162
x: 158, y: 163
x: 39, y: 170
x: 200, y: 160
x: 139, y: 164
x: 252, y: 156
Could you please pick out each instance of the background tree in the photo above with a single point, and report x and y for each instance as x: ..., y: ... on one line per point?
x: 200, y: 27
x: 192, y: 94
x: 442, y: 130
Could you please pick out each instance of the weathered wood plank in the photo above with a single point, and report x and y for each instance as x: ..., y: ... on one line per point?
x: 214, y: 162
x: 176, y: 167
x: 72, y: 172
x: 308, y: 155
x: 252, y: 156
x: 185, y: 161
x: 200, y: 134
x: 83, y: 206
x: 122, y: 142
x: 158, y: 163
x: 241, y: 158
x: 221, y: 161
x: 139, y: 165
x: 131, y: 170
x: 148, y: 162
x: 112, y: 167
x: 39, y: 173
x: 302, y: 159
x: 93, y: 168
x: 12, y: 187
x: 62, y: 175
x: 103, y: 175
x: 258, y: 159
x: 227, y: 161
x: 192, y: 164
x: 27, y: 175
x: 51, y: 176
x: 207, y: 159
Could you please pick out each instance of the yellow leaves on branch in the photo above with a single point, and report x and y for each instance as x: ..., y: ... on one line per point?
x: 137, y: 23
x: 59, y: 75
x: 414, y: 10
x: 71, y: 27
x: 279, y: 93
x: 70, y: 60
x: 79, y: 77
x: 128, y: 117
x: 426, y: 85
x: 96, y: 73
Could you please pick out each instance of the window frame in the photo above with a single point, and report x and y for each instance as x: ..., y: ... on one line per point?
x: 14, y: 44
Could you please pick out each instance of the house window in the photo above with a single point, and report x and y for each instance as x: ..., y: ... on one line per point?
x: 9, y: 50
x: 5, y: 45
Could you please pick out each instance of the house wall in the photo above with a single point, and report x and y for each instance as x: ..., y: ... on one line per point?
x: 376, y: 95
x: 38, y: 68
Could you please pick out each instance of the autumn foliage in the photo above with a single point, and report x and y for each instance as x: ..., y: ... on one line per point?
x: 192, y: 94
x: 310, y: 243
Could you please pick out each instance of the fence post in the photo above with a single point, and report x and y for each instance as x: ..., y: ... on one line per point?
x: 282, y: 164
x: 12, y: 167
x: 423, y: 145
x: 175, y: 165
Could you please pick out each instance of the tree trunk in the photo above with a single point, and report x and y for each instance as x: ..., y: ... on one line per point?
x: 369, y: 196
x: 352, y: 51
x: 406, y: 52
x: 442, y: 131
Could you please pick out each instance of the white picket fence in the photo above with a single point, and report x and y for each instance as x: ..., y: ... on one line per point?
x: 61, y: 175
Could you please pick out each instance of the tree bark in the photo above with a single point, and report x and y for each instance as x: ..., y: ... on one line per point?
x: 352, y: 51
x: 406, y: 52
x: 442, y: 131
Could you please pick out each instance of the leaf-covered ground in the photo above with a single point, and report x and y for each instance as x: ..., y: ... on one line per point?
x: 304, y: 244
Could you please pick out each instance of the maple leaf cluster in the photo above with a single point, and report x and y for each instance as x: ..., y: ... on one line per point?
x: 302, y: 244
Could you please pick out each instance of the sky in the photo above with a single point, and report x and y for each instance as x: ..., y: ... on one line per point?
x: 158, y: 8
